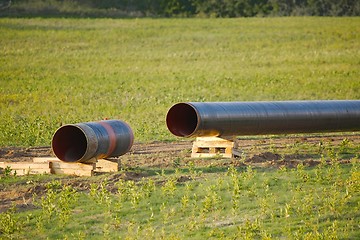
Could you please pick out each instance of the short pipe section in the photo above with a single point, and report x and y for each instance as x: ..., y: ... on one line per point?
x: 84, y: 141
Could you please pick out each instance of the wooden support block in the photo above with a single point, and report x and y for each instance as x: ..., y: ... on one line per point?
x: 100, y: 165
x: 54, y: 165
x: 77, y: 169
x: 212, y: 147
x: 26, y: 168
x: 45, y: 159
x: 55, y: 159
x: 103, y: 165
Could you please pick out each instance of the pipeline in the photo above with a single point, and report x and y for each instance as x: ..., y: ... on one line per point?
x: 84, y: 141
x: 195, y: 119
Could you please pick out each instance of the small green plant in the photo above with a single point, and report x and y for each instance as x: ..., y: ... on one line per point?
x: 169, y: 187
x: 345, y: 145
x: 352, y: 182
x: 147, y: 187
x: 211, y: 201
x: 9, y: 223
x: 47, y: 203
x: 7, y: 172
x: 100, y: 194
x: 251, y: 229
x: 301, y: 173
x: 249, y: 174
x: 185, y: 202
x: 65, y: 199
x: 56, y: 203
x: 235, y: 188
x: 192, y: 169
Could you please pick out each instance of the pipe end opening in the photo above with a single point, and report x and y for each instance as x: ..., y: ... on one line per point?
x: 69, y: 143
x: 182, y: 120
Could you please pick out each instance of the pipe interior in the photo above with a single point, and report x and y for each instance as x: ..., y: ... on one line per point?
x: 69, y: 143
x: 182, y: 120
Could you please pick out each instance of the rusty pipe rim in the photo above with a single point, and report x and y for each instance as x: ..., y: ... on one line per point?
x: 74, y: 143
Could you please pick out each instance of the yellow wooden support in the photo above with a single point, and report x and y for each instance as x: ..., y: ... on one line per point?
x: 212, y: 147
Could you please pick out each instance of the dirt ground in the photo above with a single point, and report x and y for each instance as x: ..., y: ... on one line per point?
x: 255, y: 151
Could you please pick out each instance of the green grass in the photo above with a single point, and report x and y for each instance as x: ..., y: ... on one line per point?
x: 57, y: 71
x: 244, y: 203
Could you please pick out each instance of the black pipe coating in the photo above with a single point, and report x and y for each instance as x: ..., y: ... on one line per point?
x: 195, y: 119
x: 84, y: 141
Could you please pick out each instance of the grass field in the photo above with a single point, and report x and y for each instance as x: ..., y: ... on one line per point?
x: 57, y: 71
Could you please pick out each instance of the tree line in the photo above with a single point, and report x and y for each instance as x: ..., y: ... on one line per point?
x: 185, y: 8
x: 235, y: 8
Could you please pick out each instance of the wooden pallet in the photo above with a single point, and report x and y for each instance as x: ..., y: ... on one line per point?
x: 106, y: 165
x: 26, y: 168
x: 52, y: 165
x: 212, y: 147
x: 45, y: 159
x: 77, y: 169
x: 57, y: 166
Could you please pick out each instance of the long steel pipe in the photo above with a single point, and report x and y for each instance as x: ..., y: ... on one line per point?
x: 194, y: 119
x: 84, y: 141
